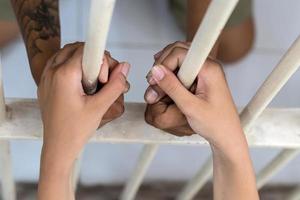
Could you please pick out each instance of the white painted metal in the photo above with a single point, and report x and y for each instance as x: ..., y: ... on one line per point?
x: 272, y: 85
x: 212, y: 24
x: 197, y: 182
x: 295, y: 195
x: 280, y: 75
x: 100, y: 17
x: 275, y: 165
x: 215, y: 19
x: 7, y: 179
x: 269, y: 130
x: 139, y: 172
x: 6, y: 173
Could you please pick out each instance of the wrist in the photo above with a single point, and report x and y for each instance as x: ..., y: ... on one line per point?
x: 232, y: 148
x: 56, y: 160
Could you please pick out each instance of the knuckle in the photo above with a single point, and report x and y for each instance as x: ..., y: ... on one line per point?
x: 172, y: 88
x: 178, y: 43
x: 161, y: 121
x: 179, y: 51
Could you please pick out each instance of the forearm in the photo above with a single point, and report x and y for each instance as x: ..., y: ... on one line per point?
x: 233, y: 172
x: 55, y: 176
x: 39, y: 23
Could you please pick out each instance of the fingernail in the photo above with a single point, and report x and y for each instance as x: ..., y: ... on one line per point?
x: 157, y: 73
x: 125, y: 69
x: 151, y: 95
x: 150, y: 79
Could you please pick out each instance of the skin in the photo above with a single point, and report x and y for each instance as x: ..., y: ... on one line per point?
x: 70, y: 117
x: 211, y: 113
x: 234, y: 42
x: 39, y: 24
x: 8, y: 32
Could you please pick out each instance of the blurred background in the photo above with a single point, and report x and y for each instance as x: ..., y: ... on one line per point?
x: 139, y: 29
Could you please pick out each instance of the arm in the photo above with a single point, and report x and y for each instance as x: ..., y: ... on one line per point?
x: 211, y: 113
x: 61, y: 99
x: 39, y: 23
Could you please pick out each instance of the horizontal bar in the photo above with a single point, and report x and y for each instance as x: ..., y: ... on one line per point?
x: 270, y: 130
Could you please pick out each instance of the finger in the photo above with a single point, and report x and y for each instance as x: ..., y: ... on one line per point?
x: 103, y: 75
x: 172, y: 62
x: 65, y: 53
x: 111, y: 61
x: 116, y: 86
x: 169, y: 83
x: 166, y: 51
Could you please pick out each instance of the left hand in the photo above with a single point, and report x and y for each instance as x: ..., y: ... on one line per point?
x: 70, y: 117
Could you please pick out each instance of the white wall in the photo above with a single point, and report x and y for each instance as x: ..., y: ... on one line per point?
x: 139, y: 29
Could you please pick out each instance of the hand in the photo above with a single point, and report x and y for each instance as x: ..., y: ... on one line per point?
x: 69, y: 116
x: 207, y: 109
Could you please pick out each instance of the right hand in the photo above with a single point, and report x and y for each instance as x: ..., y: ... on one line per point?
x: 208, y: 111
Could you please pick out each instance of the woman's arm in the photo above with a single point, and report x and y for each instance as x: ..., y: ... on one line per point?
x: 208, y: 110
x: 70, y: 117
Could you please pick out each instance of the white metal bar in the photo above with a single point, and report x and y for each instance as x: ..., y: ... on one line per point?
x: 272, y: 85
x: 198, y: 181
x: 212, y: 24
x: 208, y: 32
x: 8, y: 184
x: 280, y: 75
x: 100, y: 17
x: 275, y: 165
x: 287, y: 66
x: 295, y: 194
x: 269, y: 130
x: 139, y: 172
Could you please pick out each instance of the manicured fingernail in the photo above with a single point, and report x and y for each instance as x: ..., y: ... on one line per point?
x: 125, y: 68
x: 150, y: 79
x: 157, y: 73
x: 151, y: 95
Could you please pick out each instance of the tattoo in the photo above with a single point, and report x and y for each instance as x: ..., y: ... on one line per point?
x: 39, y: 24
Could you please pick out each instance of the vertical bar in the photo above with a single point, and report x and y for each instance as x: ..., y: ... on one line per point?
x: 206, y: 36
x: 287, y: 66
x: 139, y: 172
x: 197, y: 182
x: 212, y: 24
x: 295, y: 194
x: 8, y: 184
x: 275, y: 165
x: 100, y: 17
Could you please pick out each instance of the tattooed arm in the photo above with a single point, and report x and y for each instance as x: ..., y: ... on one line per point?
x: 39, y: 24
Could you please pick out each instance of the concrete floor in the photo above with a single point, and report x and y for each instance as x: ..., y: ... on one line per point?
x: 154, y: 191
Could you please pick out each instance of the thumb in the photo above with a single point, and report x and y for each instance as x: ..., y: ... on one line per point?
x: 116, y: 86
x: 170, y: 84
